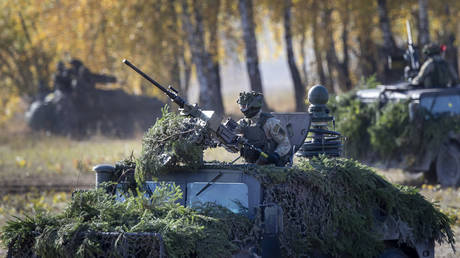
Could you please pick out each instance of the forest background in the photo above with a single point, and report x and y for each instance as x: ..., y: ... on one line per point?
x: 209, y: 50
x: 191, y: 42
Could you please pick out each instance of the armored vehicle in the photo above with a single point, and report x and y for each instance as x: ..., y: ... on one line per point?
x: 441, y: 164
x: 287, y: 215
x: 322, y: 207
x: 76, y: 107
x: 240, y: 191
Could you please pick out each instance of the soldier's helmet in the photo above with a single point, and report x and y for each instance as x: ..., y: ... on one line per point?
x: 431, y: 49
x: 250, y: 103
x: 60, y: 67
x: 76, y: 62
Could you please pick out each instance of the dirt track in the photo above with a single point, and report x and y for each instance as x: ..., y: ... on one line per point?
x: 56, y: 183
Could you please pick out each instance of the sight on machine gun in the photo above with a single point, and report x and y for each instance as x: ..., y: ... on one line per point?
x: 322, y: 140
x: 224, y: 133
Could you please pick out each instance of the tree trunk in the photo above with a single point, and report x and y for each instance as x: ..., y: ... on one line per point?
x: 389, y: 48
x: 385, y: 26
x: 304, y: 58
x: 180, y: 69
x: 209, y: 97
x: 331, y: 72
x: 176, y: 50
x: 299, y: 89
x: 366, y: 59
x: 423, y: 25
x: 317, y: 52
x: 186, y: 72
x: 345, y: 66
x: 334, y: 65
x: 249, y: 36
x: 213, y: 63
x: 448, y: 38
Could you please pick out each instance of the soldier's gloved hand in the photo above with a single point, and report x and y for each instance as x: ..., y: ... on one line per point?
x: 274, y: 158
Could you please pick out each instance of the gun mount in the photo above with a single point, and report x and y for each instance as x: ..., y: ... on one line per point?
x: 223, y: 133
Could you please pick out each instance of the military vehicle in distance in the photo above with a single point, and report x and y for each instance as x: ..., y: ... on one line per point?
x: 443, y: 164
x: 76, y: 107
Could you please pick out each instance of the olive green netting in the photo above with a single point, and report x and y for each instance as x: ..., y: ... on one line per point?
x: 173, y: 140
x: 353, y: 119
x: 333, y: 205
x: 388, y: 133
x: 79, y: 230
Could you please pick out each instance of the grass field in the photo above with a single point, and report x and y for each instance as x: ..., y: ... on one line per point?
x: 40, y: 159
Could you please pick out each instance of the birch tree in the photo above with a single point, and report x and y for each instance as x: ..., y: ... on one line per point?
x: 299, y: 88
x: 246, y: 9
x: 423, y: 25
x: 209, y: 81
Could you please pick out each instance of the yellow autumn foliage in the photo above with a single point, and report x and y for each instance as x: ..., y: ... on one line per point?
x: 36, y: 34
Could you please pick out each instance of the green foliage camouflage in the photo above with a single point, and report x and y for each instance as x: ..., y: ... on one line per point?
x: 391, y: 132
x: 353, y: 119
x: 185, y: 232
x: 387, y: 133
x: 334, y: 205
x: 173, y: 140
x: 331, y: 204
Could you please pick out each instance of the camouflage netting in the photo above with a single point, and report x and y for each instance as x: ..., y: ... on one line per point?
x: 353, y: 118
x: 330, y: 204
x: 411, y: 138
x: 173, y: 140
x: 79, y: 230
x: 388, y: 133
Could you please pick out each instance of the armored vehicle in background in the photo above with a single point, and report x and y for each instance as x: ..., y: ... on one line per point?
x: 76, y: 107
x: 441, y: 165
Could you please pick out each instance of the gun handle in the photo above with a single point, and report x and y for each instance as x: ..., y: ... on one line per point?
x: 263, y: 154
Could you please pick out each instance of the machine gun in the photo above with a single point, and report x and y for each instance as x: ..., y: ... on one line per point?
x: 223, y: 133
x: 411, y: 56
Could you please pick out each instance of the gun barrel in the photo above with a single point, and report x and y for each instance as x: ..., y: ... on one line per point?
x: 225, y: 135
x: 409, y: 33
x: 170, y: 94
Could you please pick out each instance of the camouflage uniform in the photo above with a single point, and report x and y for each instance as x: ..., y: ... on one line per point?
x: 263, y: 131
x: 435, y: 72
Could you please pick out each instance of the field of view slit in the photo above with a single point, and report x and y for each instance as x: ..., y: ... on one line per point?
x: 366, y: 93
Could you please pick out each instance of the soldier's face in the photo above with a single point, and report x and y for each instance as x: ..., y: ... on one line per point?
x: 249, y: 111
x: 243, y: 107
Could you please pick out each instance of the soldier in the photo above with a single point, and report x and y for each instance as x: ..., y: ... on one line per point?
x: 84, y: 80
x: 435, y: 72
x: 61, y: 78
x: 263, y: 131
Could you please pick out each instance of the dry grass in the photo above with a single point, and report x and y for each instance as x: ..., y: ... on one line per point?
x: 39, y: 155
